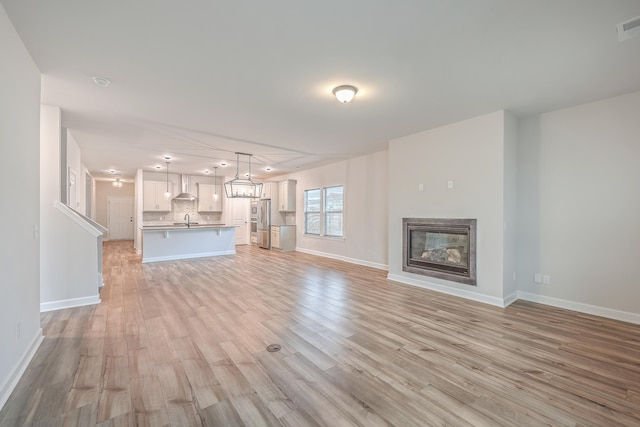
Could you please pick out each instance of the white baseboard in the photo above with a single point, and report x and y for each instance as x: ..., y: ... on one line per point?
x: 187, y: 256
x: 16, y: 373
x: 609, y: 313
x: 474, y: 296
x: 345, y: 259
x: 510, y: 299
x: 69, y: 303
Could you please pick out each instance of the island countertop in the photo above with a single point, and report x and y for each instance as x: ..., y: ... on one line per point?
x: 184, y: 226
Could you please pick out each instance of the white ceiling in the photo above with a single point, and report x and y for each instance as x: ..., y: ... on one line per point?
x: 201, y: 79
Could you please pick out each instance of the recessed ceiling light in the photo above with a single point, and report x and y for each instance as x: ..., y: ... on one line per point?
x: 223, y: 164
x: 267, y: 168
x: 158, y: 167
x: 166, y: 158
x: 101, y: 81
x: 206, y: 171
x: 112, y: 171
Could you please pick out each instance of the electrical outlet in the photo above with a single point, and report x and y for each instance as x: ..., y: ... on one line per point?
x: 450, y: 184
x: 546, y: 279
x: 18, y: 330
x: 537, y: 278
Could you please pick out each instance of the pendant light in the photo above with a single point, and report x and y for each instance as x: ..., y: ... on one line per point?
x: 167, y: 194
x: 215, y: 183
x: 243, y: 188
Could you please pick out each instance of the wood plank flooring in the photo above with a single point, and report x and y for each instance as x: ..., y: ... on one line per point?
x: 182, y: 343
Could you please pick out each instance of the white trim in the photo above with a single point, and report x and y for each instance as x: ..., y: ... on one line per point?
x: 69, y: 303
x: 187, y: 256
x: 474, y: 296
x: 18, y: 370
x: 344, y: 258
x: 371, y: 264
x: 510, y: 299
x: 609, y: 313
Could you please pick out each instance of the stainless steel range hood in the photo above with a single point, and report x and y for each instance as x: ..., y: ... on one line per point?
x: 184, y: 185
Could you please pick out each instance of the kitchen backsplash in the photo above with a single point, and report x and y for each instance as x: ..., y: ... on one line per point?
x: 180, y: 208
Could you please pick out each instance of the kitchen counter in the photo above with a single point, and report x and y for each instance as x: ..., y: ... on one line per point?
x: 166, y: 242
x: 183, y: 226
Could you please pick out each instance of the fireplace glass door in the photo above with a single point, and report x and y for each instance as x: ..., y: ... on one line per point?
x: 443, y: 248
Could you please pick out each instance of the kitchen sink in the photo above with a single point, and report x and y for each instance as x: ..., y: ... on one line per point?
x: 184, y: 223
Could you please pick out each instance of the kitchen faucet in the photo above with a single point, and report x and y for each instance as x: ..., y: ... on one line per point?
x: 186, y: 216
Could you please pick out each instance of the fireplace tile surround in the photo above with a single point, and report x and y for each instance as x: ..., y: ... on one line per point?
x: 444, y: 248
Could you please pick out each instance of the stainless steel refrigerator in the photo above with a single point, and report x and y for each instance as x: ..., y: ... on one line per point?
x: 264, y: 224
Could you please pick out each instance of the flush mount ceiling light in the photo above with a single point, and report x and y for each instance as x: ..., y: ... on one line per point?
x: 243, y: 188
x: 117, y: 183
x: 345, y: 93
x: 101, y: 81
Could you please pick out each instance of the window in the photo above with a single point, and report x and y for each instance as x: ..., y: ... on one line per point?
x: 324, y: 211
x: 312, y: 211
x: 333, y: 206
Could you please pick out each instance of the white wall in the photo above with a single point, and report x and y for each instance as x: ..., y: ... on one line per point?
x: 365, y: 224
x: 19, y: 252
x: 74, y: 164
x: 472, y: 154
x: 138, y: 200
x: 510, y: 195
x: 579, y: 207
x: 68, y: 254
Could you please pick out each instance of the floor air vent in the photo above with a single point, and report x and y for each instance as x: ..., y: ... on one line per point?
x: 629, y: 29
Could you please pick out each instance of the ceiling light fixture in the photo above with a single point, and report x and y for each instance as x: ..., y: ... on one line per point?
x: 167, y: 194
x: 345, y: 93
x: 117, y: 183
x: 101, y: 81
x: 243, y: 188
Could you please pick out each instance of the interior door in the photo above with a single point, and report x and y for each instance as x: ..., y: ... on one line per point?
x: 120, y: 217
x: 240, y: 217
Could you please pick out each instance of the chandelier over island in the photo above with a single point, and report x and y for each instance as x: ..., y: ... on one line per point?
x: 243, y: 188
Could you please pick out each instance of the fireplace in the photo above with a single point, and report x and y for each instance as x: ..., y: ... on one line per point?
x: 440, y: 247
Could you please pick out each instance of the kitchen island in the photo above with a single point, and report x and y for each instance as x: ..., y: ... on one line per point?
x: 169, y: 242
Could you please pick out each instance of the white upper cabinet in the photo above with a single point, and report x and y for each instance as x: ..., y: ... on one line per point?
x: 287, y: 195
x: 153, y: 199
x: 267, y: 190
x: 207, y: 200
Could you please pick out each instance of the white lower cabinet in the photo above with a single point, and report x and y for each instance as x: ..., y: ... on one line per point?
x: 283, y: 237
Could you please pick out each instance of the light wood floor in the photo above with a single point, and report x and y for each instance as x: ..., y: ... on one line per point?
x: 182, y: 343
